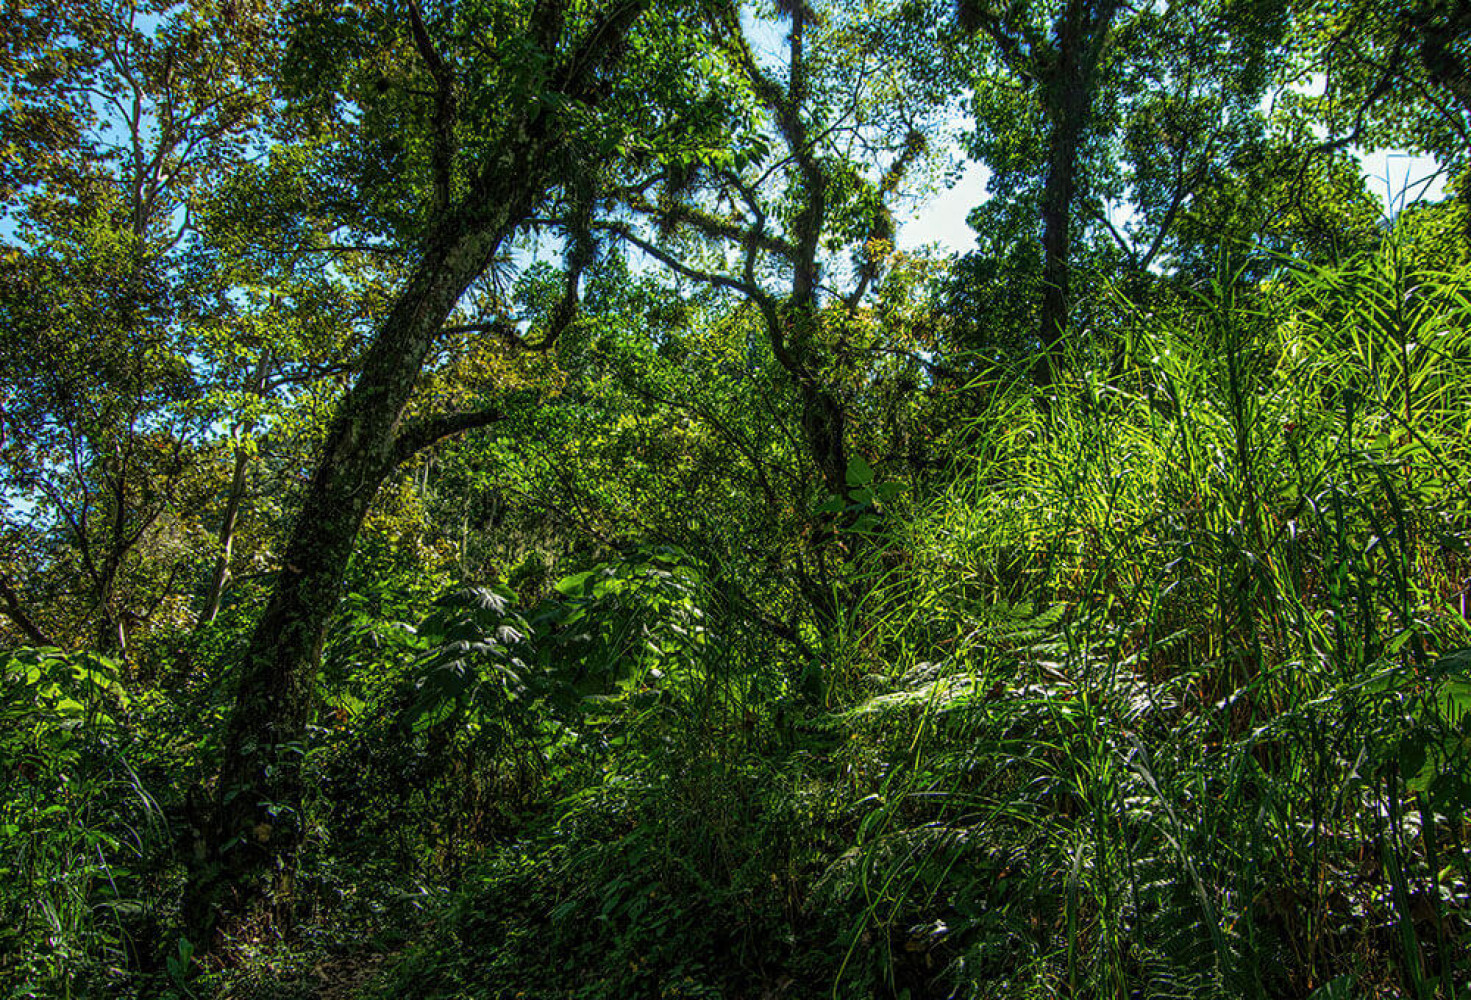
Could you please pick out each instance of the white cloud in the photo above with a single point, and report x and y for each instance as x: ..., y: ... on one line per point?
x: 941, y: 219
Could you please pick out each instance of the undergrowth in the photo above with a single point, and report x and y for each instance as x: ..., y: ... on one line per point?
x: 1166, y: 698
x: 1163, y: 693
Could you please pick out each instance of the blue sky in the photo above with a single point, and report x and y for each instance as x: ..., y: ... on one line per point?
x: 1396, y: 178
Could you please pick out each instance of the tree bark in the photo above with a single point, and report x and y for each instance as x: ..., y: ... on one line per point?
x: 220, y: 576
x: 256, y: 819
x: 1057, y: 200
x: 824, y: 420
x: 825, y: 429
x: 1069, y: 84
x: 16, y: 612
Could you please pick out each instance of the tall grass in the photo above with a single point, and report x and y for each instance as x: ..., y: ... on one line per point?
x: 1204, y: 735
x: 1164, y: 695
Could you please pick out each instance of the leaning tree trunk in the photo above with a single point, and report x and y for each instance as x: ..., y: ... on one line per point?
x: 256, y: 819
x: 255, y: 822
x: 220, y: 576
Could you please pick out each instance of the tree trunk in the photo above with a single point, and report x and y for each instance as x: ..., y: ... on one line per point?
x: 1057, y: 200
x: 220, y: 577
x: 824, y: 420
x: 1080, y: 34
x: 824, y: 429
x: 255, y: 821
x: 13, y: 609
x: 256, y: 818
x: 112, y: 633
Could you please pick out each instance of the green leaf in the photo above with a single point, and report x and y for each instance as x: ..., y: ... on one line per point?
x: 1341, y: 988
x: 574, y: 585
x: 1413, y: 753
x: 609, y: 586
x: 1455, y: 662
x: 1450, y: 794
x: 1454, y: 700
x: 859, y: 474
x: 71, y: 707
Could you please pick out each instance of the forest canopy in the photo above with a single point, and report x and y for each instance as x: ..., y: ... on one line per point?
x: 500, y: 498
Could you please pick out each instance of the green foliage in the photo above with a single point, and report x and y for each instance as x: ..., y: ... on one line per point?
x: 1159, y: 780
x: 48, y: 692
x: 79, y: 830
x: 781, y: 639
x: 472, y: 667
x: 624, y: 618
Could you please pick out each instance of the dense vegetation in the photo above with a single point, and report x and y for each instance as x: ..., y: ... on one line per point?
x: 492, y: 503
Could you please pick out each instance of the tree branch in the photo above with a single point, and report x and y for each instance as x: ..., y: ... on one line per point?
x: 581, y: 249
x: 17, y: 614
x: 501, y: 329
x: 1388, y: 73
x: 713, y: 226
x: 574, y: 79
x: 975, y: 15
x: 580, y: 253
x: 622, y: 232
x: 422, y: 433
x: 445, y: 108
x: 1182, y: 191
x: 1101, y: 214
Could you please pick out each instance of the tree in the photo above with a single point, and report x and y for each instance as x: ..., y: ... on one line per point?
x: 466, y: 125
x: 1320, y: 213
x: 1060, y: 52
x: 839, y: 126
x: 120, y: 116
x: 1394, y: 75
x: 1087, y: 107
x: 832, y: 130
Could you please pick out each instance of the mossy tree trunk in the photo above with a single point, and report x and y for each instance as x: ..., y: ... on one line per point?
x: 256, y: 824
x: 255, y: 821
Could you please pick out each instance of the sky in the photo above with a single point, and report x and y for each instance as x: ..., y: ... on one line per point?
x: 1396, y: 178
x: 1401, y: 179
x: 941, y: 219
